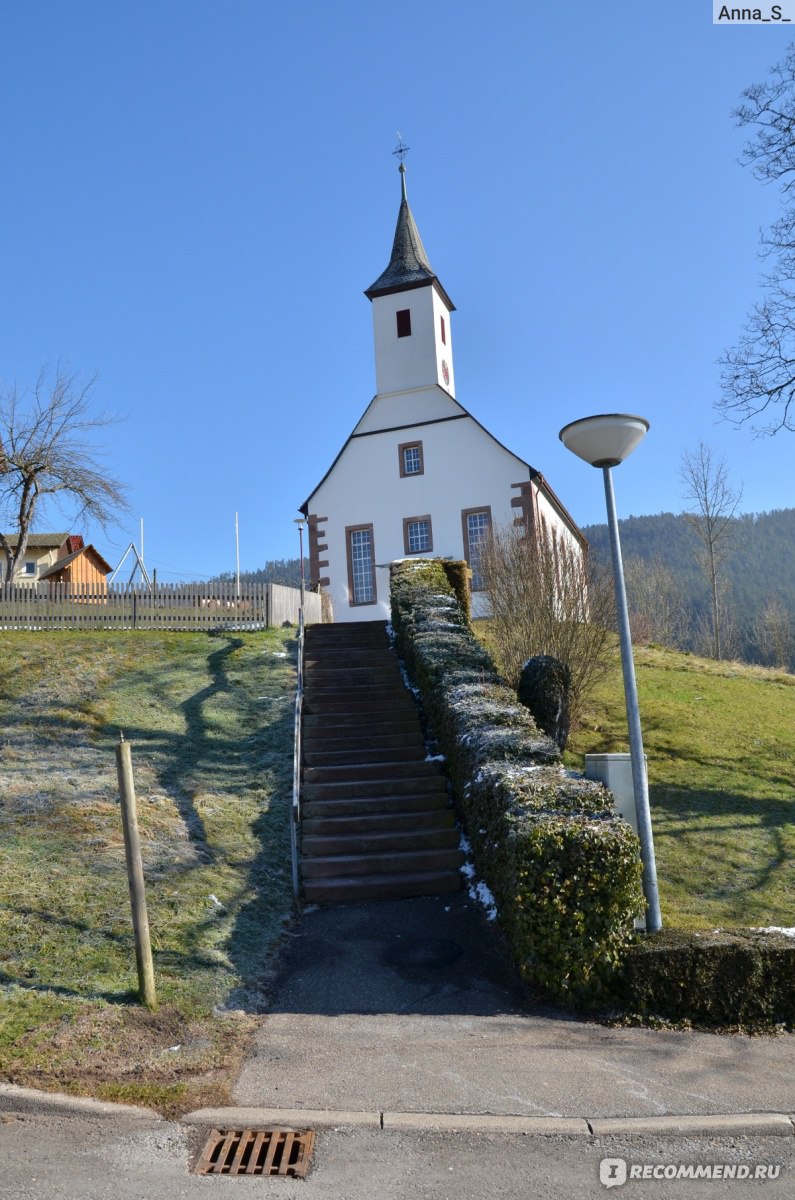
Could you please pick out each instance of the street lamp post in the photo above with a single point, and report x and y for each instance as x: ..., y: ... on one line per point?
x: 605, y: 441
x: 300, y: 523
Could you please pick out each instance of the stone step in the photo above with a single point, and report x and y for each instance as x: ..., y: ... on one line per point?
x: 327, y: 637
x: 368, y: 806
x: 357, y: 841
x: 372, y: 789
x: 384, y: 666
x: 340, y: 682
x: 386, y: 720
x: 354, y: 773
x: 334, y: 659
x: 361, y: 823
x: 381, y: 887
x: 389, y: 863
x: 325, y: 757
x: 358, y: 706
x: 342, y: 688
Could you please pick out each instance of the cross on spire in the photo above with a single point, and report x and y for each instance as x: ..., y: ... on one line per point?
x: 401, y: 150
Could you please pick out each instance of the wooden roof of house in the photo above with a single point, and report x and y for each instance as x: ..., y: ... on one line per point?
x: 103, y: 566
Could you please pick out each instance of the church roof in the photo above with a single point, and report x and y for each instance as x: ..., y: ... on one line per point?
x: 408, y: 266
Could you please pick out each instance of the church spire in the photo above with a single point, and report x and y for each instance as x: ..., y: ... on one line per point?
x: 408, y: 265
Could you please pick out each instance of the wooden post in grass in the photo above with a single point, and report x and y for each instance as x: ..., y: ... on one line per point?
x: 135, y: 875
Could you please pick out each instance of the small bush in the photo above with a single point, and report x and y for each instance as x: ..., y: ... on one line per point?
x: 545, y: 687
x: 564, y: 870
x: 720, y: 977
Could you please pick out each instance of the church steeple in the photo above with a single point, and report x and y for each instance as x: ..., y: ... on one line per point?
x: 408, y: 264
x: 413, y: 346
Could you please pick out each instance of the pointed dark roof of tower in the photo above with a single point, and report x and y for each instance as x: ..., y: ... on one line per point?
x: 408, y: 266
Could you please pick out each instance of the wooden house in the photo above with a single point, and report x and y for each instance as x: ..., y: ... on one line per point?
x: 80, y: 566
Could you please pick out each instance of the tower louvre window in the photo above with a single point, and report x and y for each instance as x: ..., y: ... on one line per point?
x: 403, y: 322
x: 444, y: 331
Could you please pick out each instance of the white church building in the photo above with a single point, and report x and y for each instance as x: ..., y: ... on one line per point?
x: 418, y: 475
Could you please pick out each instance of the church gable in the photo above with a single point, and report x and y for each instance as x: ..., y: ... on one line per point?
x: 408, y: 408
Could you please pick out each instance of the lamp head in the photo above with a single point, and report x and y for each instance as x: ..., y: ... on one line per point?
x: 604, y: 440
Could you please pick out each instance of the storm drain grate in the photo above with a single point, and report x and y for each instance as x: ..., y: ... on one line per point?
x: 257, y: 1152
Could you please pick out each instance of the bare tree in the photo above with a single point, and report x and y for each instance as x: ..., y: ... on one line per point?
x: 657, y: 609
x: 707, y: 487
x: 702, y: 638
x: 759, y: 372
x: 548, y: 598
x: 46, y: 450
x: 773, y: 635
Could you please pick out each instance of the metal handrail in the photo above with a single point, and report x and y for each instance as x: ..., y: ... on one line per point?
x: 295, y: 814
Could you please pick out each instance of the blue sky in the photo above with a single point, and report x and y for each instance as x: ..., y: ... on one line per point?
x: 196, y: 194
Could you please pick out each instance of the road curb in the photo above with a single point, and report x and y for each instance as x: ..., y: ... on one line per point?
x: 486, y: 1123
x: 291, y: 1117
x: 28, y: 1099
x: 738, y: 1124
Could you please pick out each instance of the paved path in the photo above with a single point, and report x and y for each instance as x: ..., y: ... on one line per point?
x: 410, y: 1007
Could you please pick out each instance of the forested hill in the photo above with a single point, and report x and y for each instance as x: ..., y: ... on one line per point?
x: 759, y: 564
x: 276, y: 570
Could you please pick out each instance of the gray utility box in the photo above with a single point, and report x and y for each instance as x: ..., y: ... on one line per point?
x: 615, y: 772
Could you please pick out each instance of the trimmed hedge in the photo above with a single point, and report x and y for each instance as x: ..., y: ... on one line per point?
x: 719, y: 977
x: 563, y: 868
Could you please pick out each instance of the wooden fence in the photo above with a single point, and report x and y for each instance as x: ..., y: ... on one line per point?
x: 118, y: 606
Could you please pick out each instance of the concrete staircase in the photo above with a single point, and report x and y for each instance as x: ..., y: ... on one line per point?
x: 376, y: 820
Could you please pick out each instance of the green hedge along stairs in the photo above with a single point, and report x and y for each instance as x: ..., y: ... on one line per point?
x: 377, y: 822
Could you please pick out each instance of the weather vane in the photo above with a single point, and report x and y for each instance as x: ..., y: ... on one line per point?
x: 401, y: 150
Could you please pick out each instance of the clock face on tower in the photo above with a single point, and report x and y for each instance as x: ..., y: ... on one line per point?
x: 445, y: 372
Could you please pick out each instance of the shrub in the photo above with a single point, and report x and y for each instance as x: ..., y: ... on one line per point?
x: 544, y: 688
x: 564, y: 870
x: 720, y: 977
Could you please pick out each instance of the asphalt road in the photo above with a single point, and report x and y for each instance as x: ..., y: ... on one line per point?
x: 62, y: 1156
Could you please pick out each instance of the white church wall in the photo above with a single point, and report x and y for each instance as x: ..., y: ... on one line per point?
x: 464, y: 468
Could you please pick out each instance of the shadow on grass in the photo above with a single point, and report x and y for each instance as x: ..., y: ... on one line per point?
x: 54, y: 989
x: 762, y: 834
x: 194, y: 751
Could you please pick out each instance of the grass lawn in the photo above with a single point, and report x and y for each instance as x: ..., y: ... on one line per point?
x: 210, y: 722
x: 720, y: 743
